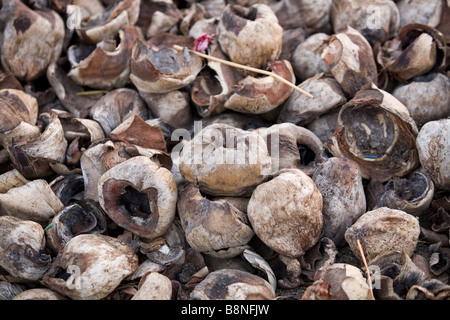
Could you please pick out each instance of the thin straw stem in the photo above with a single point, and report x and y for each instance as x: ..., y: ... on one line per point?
x: 240, y: 66
x: 369, y: 280
x: 92, y: 92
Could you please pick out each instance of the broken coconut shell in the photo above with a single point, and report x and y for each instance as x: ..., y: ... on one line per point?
x: 216, y: 227
x: 376, y: 131
x: 225, y: 161
x: 22, y: 248
x: 382, y: 231
x: 232, y: 284
x: 90, y: 267
x: 139, y: 196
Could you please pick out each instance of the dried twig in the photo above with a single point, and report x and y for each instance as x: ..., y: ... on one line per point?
x: 240, y: 66
x: 369, y: 280
x: 91, y: 92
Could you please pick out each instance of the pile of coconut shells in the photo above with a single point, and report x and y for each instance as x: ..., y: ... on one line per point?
x: 131, y: 168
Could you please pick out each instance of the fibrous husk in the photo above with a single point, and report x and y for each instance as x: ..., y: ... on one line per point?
x: 306, y: 60
x: 173, y: 107
x: 154, y: 286
x: 87, y: 130
x: 11, y: 179
x: 420, y: 11
x: 412, y: 194
x: 136, y: 131
x: 9, y: 290
x: 259, y: 95
x: 16, y: 106
x: 117, y: 106
x: 426, y: 100
x: 67, y: 91
x: 158, y: 16
x: 418, y: 50
x: 214, y: 84
x: 429, y: 290
x: 377, y: 20
x: 82, y: 217
x: 313, y: 16
x: 394, y: 273
x: 292, y: 146
x: 39, y: 294
x: 324, y: 125
x: 101, y: 157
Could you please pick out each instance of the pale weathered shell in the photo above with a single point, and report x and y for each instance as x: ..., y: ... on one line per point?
x: 420, y: 11
x: 34, y: 201
x: 154, y: 286
x: 382, y: 231
x: 349, y: 57
x: 146, y: 182
x: 377, y: 20
x: 338, y: 281
x: 286, y: 212
x: 233, y: 284
x: 172, y: 107
x: 226, y: 161
x: 284, y: 141
x: 31, y: 39
x: 375, y: 130
x: 301, y: 110
x: 90, y: 267
x: 39, y: 294
x: 433, y: 146
x: 33, y: 157
x: 164, y: 70
x: 339, y: 181
x: 214, y: 227
x: 306, y: 60
x: 22, y: 248
x: 258, y: 95
x: 11, y: 179
x: 236, y: 35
